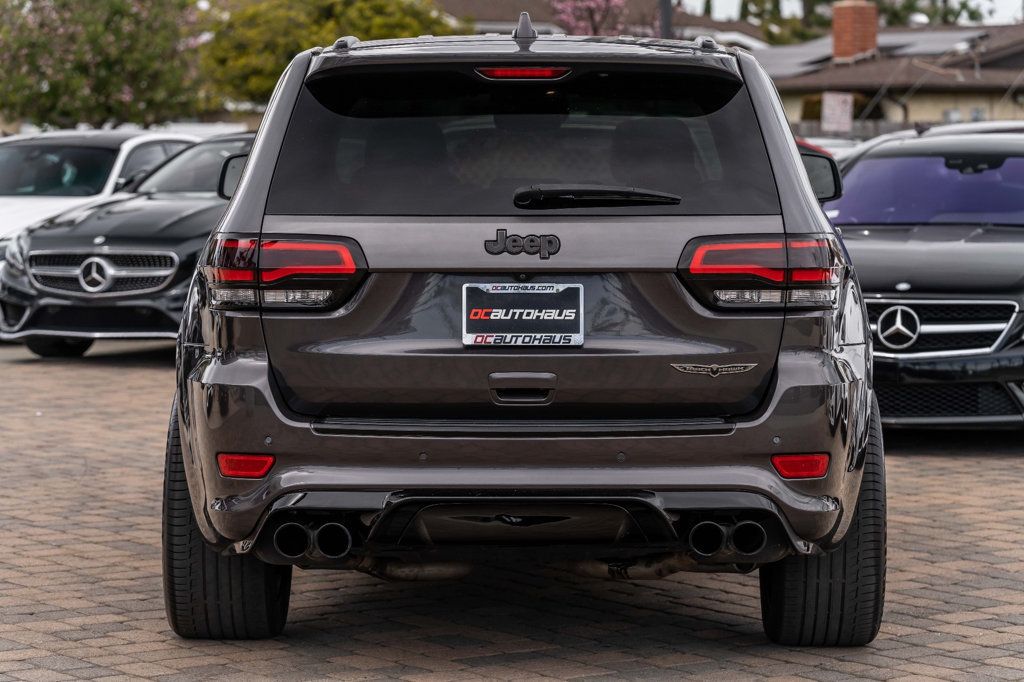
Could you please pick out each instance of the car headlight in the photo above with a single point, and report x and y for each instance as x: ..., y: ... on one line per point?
x: 14, y: 254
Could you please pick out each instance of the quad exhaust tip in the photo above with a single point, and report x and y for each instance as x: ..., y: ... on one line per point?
x: 292, y: 540
x: 707, y: 538
x: 749, y: 537
x: 332, y: 540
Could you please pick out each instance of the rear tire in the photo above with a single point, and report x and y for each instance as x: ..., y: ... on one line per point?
x: 835, y: 599
x: 208, y: 595
x: 57, y: 347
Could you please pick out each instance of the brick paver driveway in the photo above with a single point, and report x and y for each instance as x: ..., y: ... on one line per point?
x: 81, y: 452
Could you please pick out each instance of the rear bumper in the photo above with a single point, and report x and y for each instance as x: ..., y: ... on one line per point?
x: 957, y: 392
x: 25, y: 313
x: 437, y: 533
x: 229, y: 405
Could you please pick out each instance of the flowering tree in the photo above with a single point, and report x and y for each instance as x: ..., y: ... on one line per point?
x: 101, y: 62
x: 590, y: 17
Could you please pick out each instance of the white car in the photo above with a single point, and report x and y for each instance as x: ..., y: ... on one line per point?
x: 45, y: 174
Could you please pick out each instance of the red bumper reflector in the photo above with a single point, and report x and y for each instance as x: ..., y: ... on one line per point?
x: 801, y: 466
x: 244, y: 466
x: 523, y: 72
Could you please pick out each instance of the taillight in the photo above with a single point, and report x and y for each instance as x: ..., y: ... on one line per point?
x: 763, y: 271
x: 523, y: 73
x: 793, y: 467
x: 282, y: 273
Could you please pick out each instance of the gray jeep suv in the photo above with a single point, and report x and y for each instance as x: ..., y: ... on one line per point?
x: 549, y: 299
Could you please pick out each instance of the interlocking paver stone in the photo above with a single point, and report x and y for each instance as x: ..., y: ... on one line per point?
x: 81, y: 458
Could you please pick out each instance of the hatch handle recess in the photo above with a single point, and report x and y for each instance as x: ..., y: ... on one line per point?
x: 522, y: 388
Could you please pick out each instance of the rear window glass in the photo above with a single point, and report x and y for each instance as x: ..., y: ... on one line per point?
x: 452, y: 143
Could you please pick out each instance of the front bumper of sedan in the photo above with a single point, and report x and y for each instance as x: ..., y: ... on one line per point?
x: 27, y: 312
x: 966, y: 391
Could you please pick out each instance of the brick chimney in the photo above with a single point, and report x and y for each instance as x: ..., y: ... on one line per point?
x: 854, y: 29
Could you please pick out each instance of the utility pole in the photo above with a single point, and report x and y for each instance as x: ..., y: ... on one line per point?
x: 666, y: 18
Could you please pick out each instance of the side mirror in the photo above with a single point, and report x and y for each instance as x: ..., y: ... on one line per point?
x: 823, y: 173
x: 230, y: 174
x: 132, y: 180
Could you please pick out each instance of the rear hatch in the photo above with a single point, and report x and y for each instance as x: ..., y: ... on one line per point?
x: 516, y: 239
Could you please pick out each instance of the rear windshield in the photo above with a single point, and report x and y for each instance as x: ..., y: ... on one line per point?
x: 982, y: 189
x: 453, y: 143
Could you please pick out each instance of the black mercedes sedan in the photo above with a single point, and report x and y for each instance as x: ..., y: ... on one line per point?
x: 935, y: 228
x: 117, y: 268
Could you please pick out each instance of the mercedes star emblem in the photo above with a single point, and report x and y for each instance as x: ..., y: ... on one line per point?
x: 94, y: 275
x: 898, y: 327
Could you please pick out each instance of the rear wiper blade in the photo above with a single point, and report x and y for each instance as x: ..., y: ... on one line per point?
x: 563, y: 196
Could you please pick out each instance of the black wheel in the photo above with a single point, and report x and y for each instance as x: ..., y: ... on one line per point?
x: 208, y: 595
x: 57, y: 347
x: 835, y: 599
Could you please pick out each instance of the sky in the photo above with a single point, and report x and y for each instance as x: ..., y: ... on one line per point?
x: 1004, y: 11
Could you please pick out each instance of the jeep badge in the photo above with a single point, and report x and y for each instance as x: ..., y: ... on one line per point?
x: 546, y: 245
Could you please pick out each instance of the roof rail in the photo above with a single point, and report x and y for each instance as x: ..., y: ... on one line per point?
x: 345, y: 43
x: 706, y: 43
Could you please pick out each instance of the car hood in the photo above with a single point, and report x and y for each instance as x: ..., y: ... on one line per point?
x: 20, y: 212
x: 164, y: 219
x: 937, y: 258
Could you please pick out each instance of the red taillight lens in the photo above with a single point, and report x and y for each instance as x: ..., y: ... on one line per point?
x: 523, y: 72
x: 233, y: 260
x: 282, y: 273
x: 812, y: 261
x: 280, y: 259
x: 766, y: 260
x: 244, y: 466
x: 759, y: 271
x: 801, y: 466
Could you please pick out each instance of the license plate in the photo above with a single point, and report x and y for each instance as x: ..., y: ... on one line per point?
x: 522, y: 314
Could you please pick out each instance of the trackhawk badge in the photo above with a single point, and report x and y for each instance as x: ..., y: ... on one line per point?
x: 715, y: 370
x: 546, y: 245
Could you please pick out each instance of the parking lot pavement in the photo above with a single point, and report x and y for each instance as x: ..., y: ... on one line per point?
x: 81, y: 457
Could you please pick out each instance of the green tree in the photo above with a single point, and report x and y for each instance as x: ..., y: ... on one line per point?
x: 101, y: 62
x: 253, y: 40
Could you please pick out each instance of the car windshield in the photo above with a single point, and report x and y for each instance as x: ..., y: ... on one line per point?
x: 912, y: 190
x: 51, y: 170
x: 195, y: 170
x: 453, y: 143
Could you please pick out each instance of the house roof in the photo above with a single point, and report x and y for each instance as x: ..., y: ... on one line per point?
x: 925, y: 59
x: 901, y: 73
